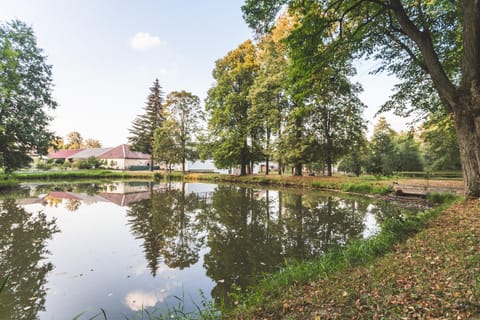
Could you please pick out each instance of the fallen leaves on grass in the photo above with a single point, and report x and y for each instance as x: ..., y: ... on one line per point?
x: 433, y: 275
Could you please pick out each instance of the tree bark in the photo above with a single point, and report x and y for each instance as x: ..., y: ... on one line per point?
x: 298, y: 135
x: 467, y: 125
x: 243, y: 160
x: 462, y: 101
x: 297, y: 170
x: 267, y: 157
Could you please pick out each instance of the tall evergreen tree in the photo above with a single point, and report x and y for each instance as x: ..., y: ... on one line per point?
x: 143, y: 126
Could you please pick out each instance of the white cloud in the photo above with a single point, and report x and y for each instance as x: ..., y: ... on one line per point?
x: 145, y: 41
x: 139, y: 299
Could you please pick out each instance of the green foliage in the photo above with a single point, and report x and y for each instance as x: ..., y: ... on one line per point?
x: 44, y: 166
x: 25, y: 94
x: 78, y: 174
x: 144, y: 125
x: 24, y: 241
x: 356, y: 158
x: 430, y: 46
x: 184, y: 109
x: 90, y: 163
x: 408, y: 153
x: 441, y: 143
x: 166, y: 144
x: 366, y: 188
x: 229, y: 107
x: 440, y: 198
x: 383, y: 156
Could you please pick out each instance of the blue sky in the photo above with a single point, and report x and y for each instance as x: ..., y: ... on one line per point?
x: 106, y: 54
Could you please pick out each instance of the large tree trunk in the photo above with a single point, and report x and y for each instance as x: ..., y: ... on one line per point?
x: 329, y: 166
x: 298, y: 135
x: 267, y: 157
x: 297, y: 170
x: 243, y: 160
x: 467, y: 124
x: 462, y: 101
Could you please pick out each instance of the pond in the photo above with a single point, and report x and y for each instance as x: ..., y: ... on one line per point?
x: 128, y: 246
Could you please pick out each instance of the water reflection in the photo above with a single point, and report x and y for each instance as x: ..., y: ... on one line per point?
x: 233, y: 233
x: 22, y: 252
x: 250, y: 232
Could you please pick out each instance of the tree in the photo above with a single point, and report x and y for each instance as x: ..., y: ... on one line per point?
x: 229, y: 105
x: 166, y: 143
x: 268, y: 92
x: 337, y: 120
x: 440, y: 143
x: 408, y: 153
x: 92, y: 143
x: 382, y: 158
x: 25, y: 235
x: 144, y: 125
x: 356, y: 158
x: 184, y: 108
x: 25, y: 95
x: 74, y: 140
x: 433, y: 47
x: 57, y: 143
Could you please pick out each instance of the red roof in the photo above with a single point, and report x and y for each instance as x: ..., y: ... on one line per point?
x: 123, y: 152
x: 63, y: 154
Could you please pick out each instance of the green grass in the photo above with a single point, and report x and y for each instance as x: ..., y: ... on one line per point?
x: 173, y: 310
x: 366, y: 188
x: 8, y: 182
x: 80, y: 174
x: 440, y: 197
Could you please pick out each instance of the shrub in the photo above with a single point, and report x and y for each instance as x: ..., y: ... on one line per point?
x: 440, y: 197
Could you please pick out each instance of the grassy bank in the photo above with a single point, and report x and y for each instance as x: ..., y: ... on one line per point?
x: 434, y: 274
x: 366, y: 185
x: 8, y: 182
x: 83, y: 174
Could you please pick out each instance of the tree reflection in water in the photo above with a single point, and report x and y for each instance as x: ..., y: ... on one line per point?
x: 22, y: 249
x: 245, y: 232
x: 249, y: 232
x: 165, y: 223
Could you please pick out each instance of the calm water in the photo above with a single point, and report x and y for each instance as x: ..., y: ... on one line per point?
x: 69, y: 248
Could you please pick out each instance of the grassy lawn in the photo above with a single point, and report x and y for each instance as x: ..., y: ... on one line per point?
x: 432, y: 275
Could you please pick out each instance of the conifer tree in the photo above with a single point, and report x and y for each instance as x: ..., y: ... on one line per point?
x: 144, y: 125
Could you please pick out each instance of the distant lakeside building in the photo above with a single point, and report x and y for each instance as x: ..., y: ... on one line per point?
x: 120, y: 157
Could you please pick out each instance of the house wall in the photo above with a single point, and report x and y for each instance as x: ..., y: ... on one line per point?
x: 124, y: 164
x: 207, y: 165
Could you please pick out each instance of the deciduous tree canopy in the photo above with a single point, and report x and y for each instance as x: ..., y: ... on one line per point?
x: 432, y: 46
x: 25, y: 96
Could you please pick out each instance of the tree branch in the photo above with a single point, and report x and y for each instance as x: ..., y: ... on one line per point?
x: 471, y: 42
x: 424, y: 42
